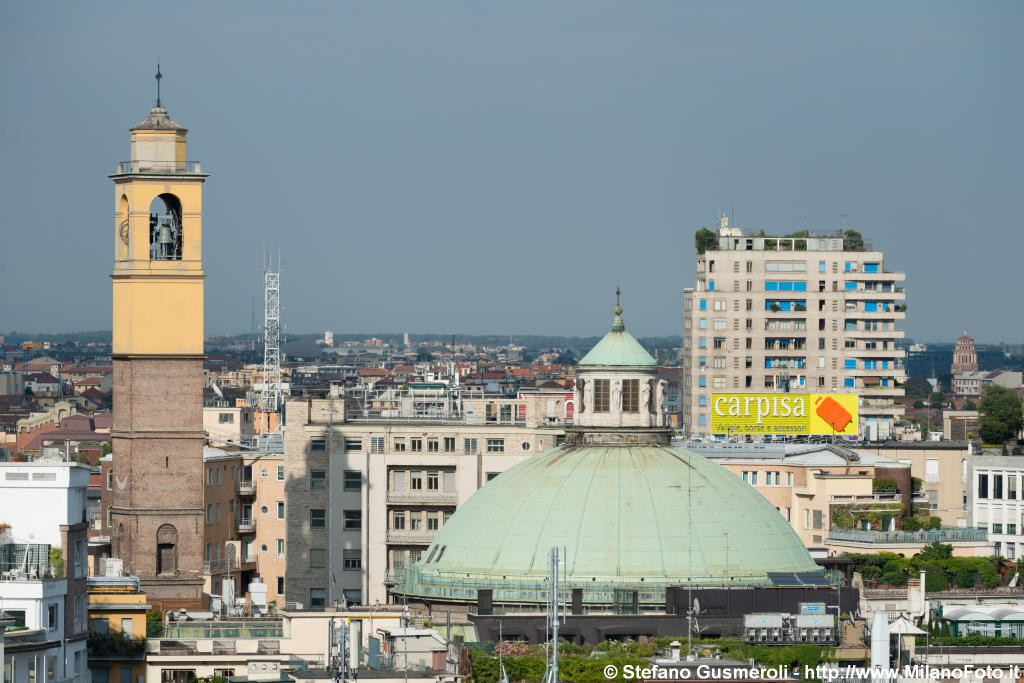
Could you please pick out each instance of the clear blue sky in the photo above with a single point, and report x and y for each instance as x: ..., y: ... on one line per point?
x: 498, y: 167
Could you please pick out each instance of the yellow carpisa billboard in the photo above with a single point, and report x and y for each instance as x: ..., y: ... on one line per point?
x: 796, y: 414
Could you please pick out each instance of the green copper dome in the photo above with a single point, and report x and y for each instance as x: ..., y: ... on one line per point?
x: 638, y: 517
x: 618, y: 348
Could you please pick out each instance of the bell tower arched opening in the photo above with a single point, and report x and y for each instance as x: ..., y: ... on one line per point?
x: 165, y: 229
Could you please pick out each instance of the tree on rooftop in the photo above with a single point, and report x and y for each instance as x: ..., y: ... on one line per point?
x: 1001, y: 416
x: 852, y: 241
x: 705, y: 240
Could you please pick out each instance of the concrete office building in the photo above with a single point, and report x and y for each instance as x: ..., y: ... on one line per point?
x: 367, y: 490
x: 995, y: 501
x: 43, y: 568
x: 793, y: 314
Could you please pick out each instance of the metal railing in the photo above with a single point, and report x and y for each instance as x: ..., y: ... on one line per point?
x: 943, y: 535
x: 27, y: 562
x: 245, y: 486
x: 246, y: 524
x: 170, y: 166
x: 423, y: 536
x: 423, y: 497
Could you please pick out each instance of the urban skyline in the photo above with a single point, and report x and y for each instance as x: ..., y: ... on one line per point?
x: 582, y: 147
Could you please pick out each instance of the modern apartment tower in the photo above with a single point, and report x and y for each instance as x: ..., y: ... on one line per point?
x: 805, y: 314
x: 158, y: 437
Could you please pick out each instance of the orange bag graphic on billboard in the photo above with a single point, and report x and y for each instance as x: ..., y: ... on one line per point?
x: 796, y: 414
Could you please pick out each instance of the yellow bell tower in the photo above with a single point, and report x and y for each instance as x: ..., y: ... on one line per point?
x: 157, y: 503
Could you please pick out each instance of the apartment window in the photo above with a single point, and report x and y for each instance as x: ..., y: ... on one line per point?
x: 216, y: 512
x: 317, y: 558
x: 398, y: 481
x: 209, y: 513
x: 449, y: 481
x: 280, y: 509
x: 719, y: 343
x: 353, y: 480
x: 449, y: 444
x: 718, y: 382
x: 353, y: 520
x: 353, y: 560
x: 398, y: 521
x: 602, y: 401
x: 432, y: 481
x: 353, y: 445
x: 209, y: 476
x: 718, y: 362
x: 750, y: 266
x: 997, y: 486
x: 746, y: 476
x: 280, y: 585
x: 110, y: 479
x: 753, y: 478
x: 789, y: 478
x: 492, y: 475
x: 630, y: 395
x: 317, y: 518
x: 416, y: 445
x: 432, y: 446
x: 51, y: 617
x: 317, y: 597
x: 416, y: 481
x: 1011, y: 528
x: 982, y: 486
x: 376, y: 444
x: 807, y: 519
x: 280, y: 547
x: 1011, y: 487
x: 497, y: 445
x: 317, y: 480
x: 432, y: 523
x: 997, y: 529
x: 415, y: 522
x: 720, y: 324
x: 469, y: 445
x: 399, y: 445
x: 318, y: 445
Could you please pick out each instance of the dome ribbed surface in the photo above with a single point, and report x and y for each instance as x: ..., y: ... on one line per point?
x: 623, y: 514
x: 618, y: 348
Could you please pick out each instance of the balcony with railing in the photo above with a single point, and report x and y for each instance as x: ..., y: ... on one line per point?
x: 245, y: 487
x: 246, y: 525
x: 423, y: 497
x: 945, y: 535
x: 158, y: 167
x: 29, y: 562
x: 416, y: 537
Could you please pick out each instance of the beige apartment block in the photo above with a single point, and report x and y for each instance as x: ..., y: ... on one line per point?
x: 942, y: 468
x: 228, y: 424
x: 368, y: 491
x: 259, y: 649
x: 244, y: 521
x: 805, y: 483
x: 783, y: 314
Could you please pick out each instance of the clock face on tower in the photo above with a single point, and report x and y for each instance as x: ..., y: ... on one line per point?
x: 124, y: 231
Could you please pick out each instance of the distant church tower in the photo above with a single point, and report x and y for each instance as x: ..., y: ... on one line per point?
x: 157, y: 504
x: 965, y: 357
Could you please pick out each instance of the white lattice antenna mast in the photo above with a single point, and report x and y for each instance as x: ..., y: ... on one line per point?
x: 270, y: 395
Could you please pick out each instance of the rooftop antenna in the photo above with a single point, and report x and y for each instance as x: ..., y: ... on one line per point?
x: 555, y: 578
x: 158, y: 77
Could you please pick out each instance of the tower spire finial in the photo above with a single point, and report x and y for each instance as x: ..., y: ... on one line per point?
x: 617, y: 324
x: 158, y: 77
